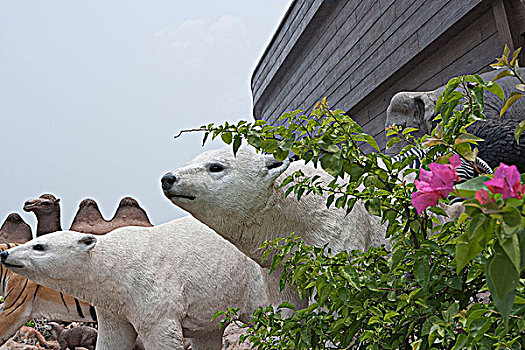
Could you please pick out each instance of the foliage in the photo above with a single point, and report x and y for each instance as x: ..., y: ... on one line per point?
x: 511, y: 68
x: 430, y: 291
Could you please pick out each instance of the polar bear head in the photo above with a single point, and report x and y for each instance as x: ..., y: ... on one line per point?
x: 218, y: 184
x: 58, y: 256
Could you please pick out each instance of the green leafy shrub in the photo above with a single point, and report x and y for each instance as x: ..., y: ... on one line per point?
x: 430, y: 291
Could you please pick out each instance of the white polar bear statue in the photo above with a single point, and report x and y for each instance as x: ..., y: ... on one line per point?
x: 239, y: 197
x: 162, y: 283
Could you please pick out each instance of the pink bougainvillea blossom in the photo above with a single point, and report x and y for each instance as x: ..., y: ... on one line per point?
x: 482, y: 196
x: 434, y: 184
x: 507, y: 180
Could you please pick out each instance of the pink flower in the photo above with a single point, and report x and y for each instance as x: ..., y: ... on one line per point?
x: 434, y: 184
x: 507, y: 180
x: 482, y: 196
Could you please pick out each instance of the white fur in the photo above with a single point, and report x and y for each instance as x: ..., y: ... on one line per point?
x: 162, y: 282
x: 244, y: 204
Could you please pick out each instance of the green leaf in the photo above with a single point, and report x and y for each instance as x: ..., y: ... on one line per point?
x: 236, y: 143
x: 502, y: 280
x: 471, y: 243
x: 398, y: 255
x: 467, y: 138
x: 286, y: 305
x: 460, y: 342
x: 515, y: 57
x: 392, y: 141
x: 227, y: 137
x: 371, y: 141
x: 510, y: 101
x: 511, y: 219
x: 330, y: 200
x: 502, y: 74
x: 205, y: 138
x: 332, y: 163
x: 373, y: 206
x: 421, y: 270
x: 409, y: 130
x: 470, y: 187
x: 438, y: 211
x: 281, y: 155
x: 521, y: 238
x: 511, y: 246
x: 519, y: 130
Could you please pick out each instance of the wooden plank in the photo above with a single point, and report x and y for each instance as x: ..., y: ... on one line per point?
x: 377, y: 50
x: 482, y: 56
x: 456, y: 63
x: 289, y: 41
x: 502, y: 15
x: 519, y: 14
x: 438, y: 50
x: 322, y: 64
x: 275, y: 43
x: 316, y: 56
x: 346, y: 53
x: 316, y: 49
x: 439, y: 57
x: 467, y: 64
x: 369, y: 80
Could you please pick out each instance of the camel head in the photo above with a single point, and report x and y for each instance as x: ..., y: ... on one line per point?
x: 45, y: 204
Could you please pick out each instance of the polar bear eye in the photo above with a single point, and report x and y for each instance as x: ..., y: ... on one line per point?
x: 216, y: 168
x: 38, y: 247
x: 89, y: 241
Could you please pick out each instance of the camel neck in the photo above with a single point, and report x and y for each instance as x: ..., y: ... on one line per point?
x: 48, y: 223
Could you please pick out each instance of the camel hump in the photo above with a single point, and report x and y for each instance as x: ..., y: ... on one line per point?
x: 15, y: 230
x: 89, y: 219
x: 130, y: 213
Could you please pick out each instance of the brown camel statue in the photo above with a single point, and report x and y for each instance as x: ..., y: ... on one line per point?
x: 47, y: 211
x: 15, y: 230
x: 90, y: 220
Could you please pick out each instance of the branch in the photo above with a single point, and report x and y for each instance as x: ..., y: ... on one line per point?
x: 189, y: 130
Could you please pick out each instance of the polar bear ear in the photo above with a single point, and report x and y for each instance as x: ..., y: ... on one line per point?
x: 87, y: 242
x: 274, y: 166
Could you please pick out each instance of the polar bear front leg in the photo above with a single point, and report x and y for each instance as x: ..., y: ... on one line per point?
x: 166, y: 335
x: 114, y: 333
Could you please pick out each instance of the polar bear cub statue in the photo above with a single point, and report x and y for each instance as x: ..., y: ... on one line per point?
x: 162, y: 283
x: 239, y: 197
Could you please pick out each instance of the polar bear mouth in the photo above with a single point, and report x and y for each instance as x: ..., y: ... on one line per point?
x: 12, y: 265
x: 177, y: 196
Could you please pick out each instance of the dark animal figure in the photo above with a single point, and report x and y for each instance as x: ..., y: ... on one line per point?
x: 416, y: 109
x: 15, y: 230
x: 47, y: 211
x: 71, y: 338
x: 89, y: 219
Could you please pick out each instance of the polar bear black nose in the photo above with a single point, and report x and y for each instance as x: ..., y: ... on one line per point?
x: 4, y: 255
x: 167, y: 181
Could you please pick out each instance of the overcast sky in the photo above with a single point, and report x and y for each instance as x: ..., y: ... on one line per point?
x: 92, y: 92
